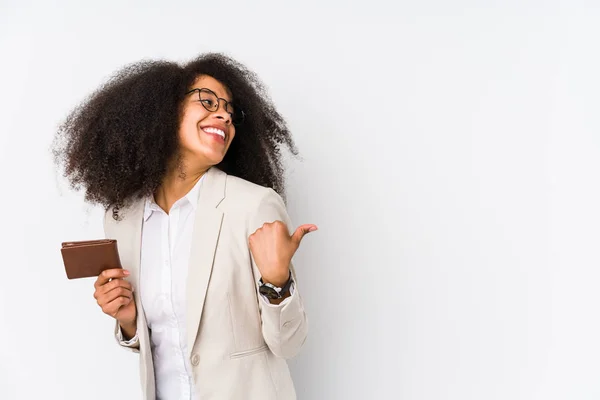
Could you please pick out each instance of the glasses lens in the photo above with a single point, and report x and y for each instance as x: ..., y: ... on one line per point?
x: 209, y: 100
x: 230, y: 108
x: 237, y: 116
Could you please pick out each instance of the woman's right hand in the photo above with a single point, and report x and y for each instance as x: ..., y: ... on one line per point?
x: 115, y: 296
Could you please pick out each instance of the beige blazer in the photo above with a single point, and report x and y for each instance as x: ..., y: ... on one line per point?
x: 238, y: 345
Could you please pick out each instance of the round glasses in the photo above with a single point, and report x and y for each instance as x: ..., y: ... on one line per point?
x: 211, y: 102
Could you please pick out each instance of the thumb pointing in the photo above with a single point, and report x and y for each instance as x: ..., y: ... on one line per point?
x: 301, y: 231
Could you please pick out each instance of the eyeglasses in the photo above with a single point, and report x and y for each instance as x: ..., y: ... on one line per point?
x: 211, y: 103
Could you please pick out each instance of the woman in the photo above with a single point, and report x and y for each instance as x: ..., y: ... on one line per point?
x: 186, y: 160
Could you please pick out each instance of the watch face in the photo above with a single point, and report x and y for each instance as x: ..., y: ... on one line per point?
x: 269, y: 292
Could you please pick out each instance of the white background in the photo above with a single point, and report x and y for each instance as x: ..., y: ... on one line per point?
x: 451, y: 158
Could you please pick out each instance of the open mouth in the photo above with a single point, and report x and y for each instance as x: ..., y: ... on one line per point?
x: 215, y: 131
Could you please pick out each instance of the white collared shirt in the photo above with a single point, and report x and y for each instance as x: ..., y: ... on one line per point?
x: 166, y: 244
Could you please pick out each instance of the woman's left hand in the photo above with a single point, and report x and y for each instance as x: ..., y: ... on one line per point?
x: 272, y: 248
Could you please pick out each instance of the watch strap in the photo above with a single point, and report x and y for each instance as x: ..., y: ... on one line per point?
x: 274, y: 292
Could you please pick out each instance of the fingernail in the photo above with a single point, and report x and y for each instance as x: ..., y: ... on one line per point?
x: 126, y: 272
x: 314, y: 228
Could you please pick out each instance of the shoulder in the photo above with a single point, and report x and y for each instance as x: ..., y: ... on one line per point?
x: 253, y: 203
x: 115, y: 219
x: 248, y: 195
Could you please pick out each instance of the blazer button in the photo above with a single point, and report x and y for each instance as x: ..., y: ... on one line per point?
x: 195, y: 360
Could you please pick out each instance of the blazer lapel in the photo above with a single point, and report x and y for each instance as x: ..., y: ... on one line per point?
x: 130, y: 252
x: 128, y: 233
x: 130, y: 243
x: 207, y: 227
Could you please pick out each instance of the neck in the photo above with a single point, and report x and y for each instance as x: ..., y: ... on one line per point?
x: 177, y: 183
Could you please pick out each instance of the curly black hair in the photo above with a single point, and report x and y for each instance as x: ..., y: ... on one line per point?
x: 118, y: 142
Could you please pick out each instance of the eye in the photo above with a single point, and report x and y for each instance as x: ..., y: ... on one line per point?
x: 208, y: 102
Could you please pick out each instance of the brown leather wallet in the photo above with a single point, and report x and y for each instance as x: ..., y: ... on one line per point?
x: 89, y: 258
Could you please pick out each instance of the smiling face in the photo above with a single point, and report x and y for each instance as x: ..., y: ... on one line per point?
x: 205, y: 136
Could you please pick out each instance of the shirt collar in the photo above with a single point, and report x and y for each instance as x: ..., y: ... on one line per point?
x: 192, y: 197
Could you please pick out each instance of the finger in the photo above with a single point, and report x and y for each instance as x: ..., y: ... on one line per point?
x: 107, y: 287
x: 108, y: 274
x: 115, y: 283
x: 114, y: 306
x: 301, y: 231
x: 114, y: 294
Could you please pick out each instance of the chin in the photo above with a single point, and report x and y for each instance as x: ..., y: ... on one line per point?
x: 212, y: 158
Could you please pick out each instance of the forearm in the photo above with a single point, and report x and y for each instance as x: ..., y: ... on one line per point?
x: 284, y: 321
x: 285, y: 326
x: 128, y: 330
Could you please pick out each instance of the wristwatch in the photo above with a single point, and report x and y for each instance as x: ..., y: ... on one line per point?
x: 273, y: 292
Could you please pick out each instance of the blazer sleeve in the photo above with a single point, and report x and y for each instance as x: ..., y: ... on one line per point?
x: 284, y: 326
x: 133, y: 344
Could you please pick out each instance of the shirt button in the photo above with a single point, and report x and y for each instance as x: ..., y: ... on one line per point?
x: 195, y: 359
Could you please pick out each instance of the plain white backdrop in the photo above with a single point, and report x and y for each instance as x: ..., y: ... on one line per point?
x: 450, y: 156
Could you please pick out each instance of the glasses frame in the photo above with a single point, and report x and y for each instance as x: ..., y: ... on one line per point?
x: 237, y: 119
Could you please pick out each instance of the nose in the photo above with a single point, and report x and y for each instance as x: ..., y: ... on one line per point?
x: 222, y: 114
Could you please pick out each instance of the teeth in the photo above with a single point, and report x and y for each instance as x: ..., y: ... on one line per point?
x: 215, y: 130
